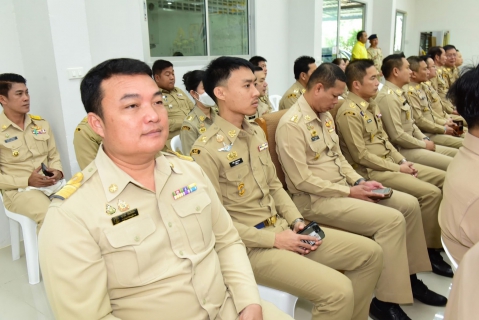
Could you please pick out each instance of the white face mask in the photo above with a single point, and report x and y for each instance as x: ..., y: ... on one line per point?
x: 205, y: 100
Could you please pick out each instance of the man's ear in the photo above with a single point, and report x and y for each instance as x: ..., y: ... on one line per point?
x: 356, y: 84
x: 96, y: 123
x: 3, y: 100
x: 318, y: 87
x: 156, y: 77
x: 413, y: 75
x: 395, y: 72
x: 219, y: 93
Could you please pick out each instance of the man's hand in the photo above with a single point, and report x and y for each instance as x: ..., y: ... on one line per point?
x: 455, y: 112
x: 450, y: 131
x: 373, y: 185
x: 57, y: 174
x: 407, y: 167
x: 450, y: 123
x: 290, y: 240
x: 363, y: 192
x: 37, y: 180
x: 252, y: 312
x: 430, y: 145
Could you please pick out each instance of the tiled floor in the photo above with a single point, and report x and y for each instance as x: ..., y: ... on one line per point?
x: 21, y: 301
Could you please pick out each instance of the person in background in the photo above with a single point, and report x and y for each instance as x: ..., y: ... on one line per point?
x: 203, y: 114
x: 340, y: 63
x: 261, y: 85
x: 359, y: 49
x: 450, y: 69
x: 27, y: 143
x: 260, y: 62
x: 175, y: 100
x: 375, y: 53
x: 303, y: 68
x: 86, y: 143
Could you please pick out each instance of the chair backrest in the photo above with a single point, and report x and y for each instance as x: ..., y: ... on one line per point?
x: 453, y: 262
x: 274, y: 99
x: 176, y: 144
x: 269, y: 123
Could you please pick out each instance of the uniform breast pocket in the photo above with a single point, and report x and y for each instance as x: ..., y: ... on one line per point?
x: 405, y: 113
x: 371, y: 130
x: 41, y: 142
x: 127, y: 251
x: 194, y: 212
x: 235, y: 182
x: 10, y: 151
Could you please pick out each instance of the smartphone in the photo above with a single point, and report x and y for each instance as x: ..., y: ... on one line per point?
x: 312, y: 229
x: 45, y: 171
x: 387, y: 192
x: 460, y: 126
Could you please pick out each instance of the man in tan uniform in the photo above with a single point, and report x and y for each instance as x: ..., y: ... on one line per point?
x: 174, y: 99
x: 235, y: 156
x: 303, y: 68
x: 450, y: 69
x: 366, y: 146
x: 136, y: 237
x: 441, y: 134
x: 441, y: 85
x: 326, y: 189
x: 86, y: 143
x: 375, y: 53
x: 263, y: 102
x: 27, y: 142
x: 459, y: 212
x: 398, y: 118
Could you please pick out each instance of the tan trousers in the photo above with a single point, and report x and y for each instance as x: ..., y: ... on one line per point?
x: 446, y: 140
x: 314, y: 277
x: 426, y: 188
x: 439, y: 159
x: 33, y: 204
x: 270, y: 311
x: 401, y: 238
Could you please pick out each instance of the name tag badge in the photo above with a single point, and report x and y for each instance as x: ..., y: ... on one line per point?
x: 11, y: 139
x: 125, y: 216
x: 314, y: 138
x: 369, y: 120
x: 236, y: 162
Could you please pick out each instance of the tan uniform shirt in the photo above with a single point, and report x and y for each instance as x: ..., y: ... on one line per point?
x: 309, y: 151
x: 435, y: 102
x: 245, y: 179
x: 86, y: 143
x: 363, y: 140
x: 23, y: 151
x: 442, y: 89
x: 424, y: 116
x: 263, y: 107
x: 178, y: 106
x: 167, y: 258
x: 376, y: 55
x: 291, y: 95
x: 459, y: 212
x: 450, y: 75
x: 398, y: 119
x: 194, y: 125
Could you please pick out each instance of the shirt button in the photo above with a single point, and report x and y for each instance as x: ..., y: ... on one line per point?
x: 198, y: 208
x: 181, y: 253
x: 169, y: 224
x: 137, y: 238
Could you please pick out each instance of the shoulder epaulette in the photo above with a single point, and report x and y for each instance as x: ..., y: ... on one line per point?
x: 75, y: 182
x: 179, y: 155
x: 34, y: 117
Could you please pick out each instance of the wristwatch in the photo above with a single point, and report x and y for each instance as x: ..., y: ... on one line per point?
x: 359, y: 181
x: 427, y: 138
x: 402, y: 161
x: 294, y: 222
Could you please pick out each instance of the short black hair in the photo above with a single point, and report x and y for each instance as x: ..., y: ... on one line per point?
x: 219, y: 70
x: 464, y: 94
x: 192, y: 79
x: 6, y: 81
x: 424, y: 57
x: 390, y: 62
x: 356, y: 71
x: 256, y: 60
x: 178, y: 54
x: 161, y: 65
x: 337, y: 61
x: 302, y: 65
x: 327, y: 74
x: 256, y: 68
x: 359, y: 34
x: 449, y: 47
x: 90, y: 87
x: 434, y: 51
x: 414, y: 62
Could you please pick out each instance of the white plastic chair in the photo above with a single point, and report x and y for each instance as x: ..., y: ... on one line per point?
x: 30, y: 241
x: 454, y: 263
x: 274, y: 99
x: 282, y: 300
x: 176, y: 144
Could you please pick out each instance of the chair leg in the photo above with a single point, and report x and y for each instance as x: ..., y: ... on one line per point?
x: 31, y: 252
x: 15, y: 238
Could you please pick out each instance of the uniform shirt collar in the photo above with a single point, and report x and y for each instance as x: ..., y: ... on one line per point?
x: 5, y: 122
x: 231, y: 130
x: 114, y: 180
x: 363, y: 104
x: 166, y: 91
x: 394, y: 88
x: 198, y: 112
x: 308, y: 113
x: 299, y: 85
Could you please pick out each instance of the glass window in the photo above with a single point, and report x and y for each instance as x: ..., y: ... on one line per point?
x: 182, y: 27
x: 399, y: 32
x: 330, y: 30
x: 351, y: 22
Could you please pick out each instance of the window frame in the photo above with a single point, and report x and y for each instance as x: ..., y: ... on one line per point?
x: 403, y: 33
x: 195, y: 60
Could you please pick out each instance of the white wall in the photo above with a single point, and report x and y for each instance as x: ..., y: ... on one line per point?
x: 411, y: 42
x: 10, y: 54
x: 459, y: 17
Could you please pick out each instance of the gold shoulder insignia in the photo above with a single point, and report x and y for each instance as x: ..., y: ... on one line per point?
x: 203, y: 139
x: 295, y: 91
x: 194, y: 151
x: 70, y: 188
x: 411, y: 88
x: 418, y: 87
x: 294, y: 118
x: 185, y: 128
x: 189, y: 118
x: 352, y: 105
x: 303, y: 90
x: 292, y: 95
x: 85, y: 119
x: 34, y: 117
x: 389, y: 91
x: 349, y: 113
x: 179, y: 155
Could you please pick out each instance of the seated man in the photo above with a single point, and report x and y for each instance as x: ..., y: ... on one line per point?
x: 366, y: 146
x: 261, y: 85
x: 175, y: 100
x: 86, y: 143
x: 399, y: 119
x: 117, y: 244
x: 326, y: 189
x: 27, y: 143
x: 303, y: 68
x: 259, y: 61
x: 459, y: 210
x: 234, y: 154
